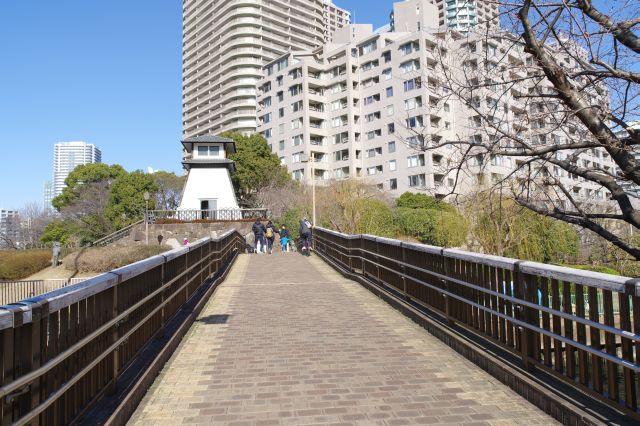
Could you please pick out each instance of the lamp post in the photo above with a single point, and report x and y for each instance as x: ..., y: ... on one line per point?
x: 146, y: 217
x: 313, y: 187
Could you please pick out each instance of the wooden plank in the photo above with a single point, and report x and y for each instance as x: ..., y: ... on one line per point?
x: 583, y: 363
x: 556, y: 326
x: 502, y: 308
x: 546, y: 324
x: 610, y: 343
x: 630, y: 395
x: 568, y: 331
x: 594, y: 334
x: 6, y: 372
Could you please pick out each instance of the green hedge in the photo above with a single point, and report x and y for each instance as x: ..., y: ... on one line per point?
x: 19, y: 264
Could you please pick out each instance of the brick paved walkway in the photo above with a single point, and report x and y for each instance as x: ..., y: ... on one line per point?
x: 286, y: 340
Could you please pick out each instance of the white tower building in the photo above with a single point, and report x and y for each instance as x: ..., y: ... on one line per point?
x: 209, y: 186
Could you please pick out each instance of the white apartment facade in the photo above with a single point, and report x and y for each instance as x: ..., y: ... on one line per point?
x: 368, y: 106
x: 66, y: 157
x: 225, y: 45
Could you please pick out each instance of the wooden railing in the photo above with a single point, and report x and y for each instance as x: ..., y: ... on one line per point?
x: 580, y: 326
x: 220, y: 215
x: 61, y: 351
x: 14, y: 291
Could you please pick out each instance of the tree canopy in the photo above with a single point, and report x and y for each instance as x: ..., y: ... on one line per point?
x: 256, y: 166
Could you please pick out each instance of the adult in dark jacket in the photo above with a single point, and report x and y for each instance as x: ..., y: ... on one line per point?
x: 258, y: 232
x: 270, y: 233
x: 305, y: 234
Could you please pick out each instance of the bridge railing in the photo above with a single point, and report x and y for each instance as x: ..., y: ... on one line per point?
x: 581, y: 326
x: 220, y: 215
x: 61, y: 351
x: 14, y: 291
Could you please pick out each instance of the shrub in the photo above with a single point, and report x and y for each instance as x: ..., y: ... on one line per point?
x: 375, y: 218
x: 599, y: 268
x: 437, y: 227
x: 104, y: 259
x: 423, y: 201
x: 17, y: 265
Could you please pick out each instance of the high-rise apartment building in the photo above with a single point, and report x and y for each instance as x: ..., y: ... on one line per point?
x: 66, y: 157
x: 460, y: 15
x: 9, y: 228
x: 226, y: 44
x: 334, y: 18
x: 377, y: 106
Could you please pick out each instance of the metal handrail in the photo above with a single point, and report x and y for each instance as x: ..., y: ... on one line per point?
x: 115, y: 236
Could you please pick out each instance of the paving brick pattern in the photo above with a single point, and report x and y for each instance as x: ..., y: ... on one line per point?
x: 287, y: 341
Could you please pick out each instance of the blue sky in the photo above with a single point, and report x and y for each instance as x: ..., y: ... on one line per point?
x: 106, y: 72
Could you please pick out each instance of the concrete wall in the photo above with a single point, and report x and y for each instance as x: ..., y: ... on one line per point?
x: 175, y: 233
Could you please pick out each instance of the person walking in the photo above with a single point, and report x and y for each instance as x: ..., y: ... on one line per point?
x: 258, y: 232
x: 284, y: 239
x: 305, y: 234
x: 270, y: 233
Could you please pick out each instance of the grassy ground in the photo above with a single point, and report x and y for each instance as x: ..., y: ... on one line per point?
x: 103, y: 259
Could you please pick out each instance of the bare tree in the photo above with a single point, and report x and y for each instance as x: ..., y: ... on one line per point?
x: 546, y: 109
x: 34, y: 218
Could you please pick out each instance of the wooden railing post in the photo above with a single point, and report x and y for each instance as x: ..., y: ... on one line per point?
x: 525, y: 337
x: 115, y: 335
x: 447, y: 287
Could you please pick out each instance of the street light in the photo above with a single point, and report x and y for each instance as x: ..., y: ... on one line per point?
x: 312, y: 160
x: 146, y: 216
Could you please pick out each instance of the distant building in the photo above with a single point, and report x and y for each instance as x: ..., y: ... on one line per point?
x: 334, y: 18
x: 225, y: 44
x: 460, y: 15
x: 9, y: 228
x: 48, y: 196
x: 66, y: 157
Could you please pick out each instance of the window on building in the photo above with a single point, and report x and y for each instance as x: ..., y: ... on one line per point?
x: 416, y: 160
x: 417, y: 181
x: 267, y: 133
x: 393, y: 183
x: 387, y: 56
x: 387, y: 74
x: 392, y: 165
x: 296, y: 157
x: 266, y: 102
x: 281, y: 146
x: 296, y: 124
x: 391, y: 147
x: 296, y: 140
x: 389, y: 92
x: 390, y: 110
x: 208, y: 151
x: 281, y: 112
x: 266, y: 118
x: 281, y: 128
x: 297, y: 106
x: 391, y: 128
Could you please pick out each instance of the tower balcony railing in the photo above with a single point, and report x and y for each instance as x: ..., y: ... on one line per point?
x: 205, y: 216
